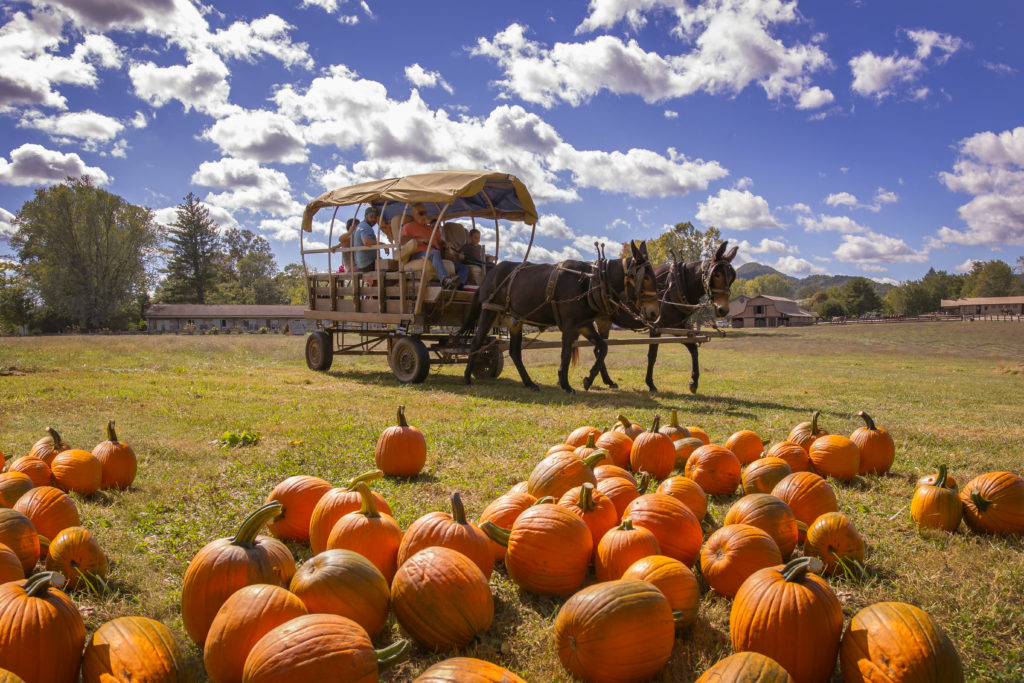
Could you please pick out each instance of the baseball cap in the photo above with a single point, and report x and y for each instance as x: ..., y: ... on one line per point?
x: 371, y: 211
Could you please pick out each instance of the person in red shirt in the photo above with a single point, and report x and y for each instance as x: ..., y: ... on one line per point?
x: 419, y: 229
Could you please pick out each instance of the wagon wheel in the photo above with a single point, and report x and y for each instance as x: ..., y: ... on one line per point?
x: 409, y: 360
x: 488, y: 364
x: 319, y: 351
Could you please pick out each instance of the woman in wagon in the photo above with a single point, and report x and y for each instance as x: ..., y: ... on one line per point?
x: 420, y: 230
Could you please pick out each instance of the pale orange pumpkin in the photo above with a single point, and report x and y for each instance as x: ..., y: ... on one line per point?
x: 503, y: 511
x: 715, y: 468
x: 806, y: 433
x: 771, y: 515
x: 76, y: 554
x: 807, y: 495
x: 676, y: 528
x: 620, y: 547
x: 48, y: 446
x: 345, y: 583
x: 594, y: 508
x: 653, y: 452
x: 793, y: 453
x: 579, y: 436
x: 337, y: 502
x: 133, y: 649
x: 35, y: 468
x: 676, y: 582
x: 373, y: 534
x: 835, y: 540
x: 51, y: 511
x: 688, y: 492
x: 746, y: 445
x: 617, y: 445
x: 448, y: 530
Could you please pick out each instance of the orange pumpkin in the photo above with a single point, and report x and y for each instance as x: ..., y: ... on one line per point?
x: 715, y: 469
x: 833, y: 455
x: 806, y: 433
x: 684, y: 449
x: 76, y: 554
x: 688, y: 492
x: 835, y: 540
x: 734, y: 552
x: 877, y: 451
x: 746, y: 445
x: 48, y: 446
x: 245, y: 617
x: 763, y: 474
x: 605, y: 471
x: 593, y: 507
x: 897, y: 642
x: 51, y: 511
x: 10, y: 565
x: 345, y: 583
x: 36, y: 469
x: 587, y: 448
x: 620, y: 491
x: 13, y: 485
x: 934, y: 479
x: 793, y: 453
x: 579, y: 436
x: 503, y: 511
x: 319, y: 647
x: 617, y: 445
x: 626, y: 426
x: 337, y: 502
x: 448, y: 531
x: 298, y: 496
x: 8, y: 677
x: 441, y: 598
x: 994, y: 503
x: 41, y: 631
x: 223, y: 566
x: 467, y: 670
x: 18, y: 534
x: 117, y: 461
x: 807, y: 495
x: 559, y: 472
x: 676, y: 528
x: 77, y: 470
x: 621, y: 547
x: 699, y: 433
x: 776, y: 603
x: 937, y: 507
x: 133, y: 649
x: 373, y: 534
x: 748, y: 667
x: 401, y: 449
x: 676, y: 582
x: 673, y: 430
x: 519, y: 487
x: 615, y: 631
x: 560, y: 447
x: 653, y: 452
x: 769, y: 514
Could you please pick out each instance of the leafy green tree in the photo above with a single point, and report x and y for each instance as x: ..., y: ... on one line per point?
x: 910, y: 298
x: 989, y: 278
x: 831, y: 308
x: 739, y: 288
x: 248, y: 270
x: 88, y: 252
x: 688, y: 243
x: 817, y: 298
x: 18, y: 302
x: 770, y: 284
x: 194, y: 245
x: 291, y: 283
x: 859, y: 296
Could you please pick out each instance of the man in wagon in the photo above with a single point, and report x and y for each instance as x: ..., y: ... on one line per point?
x: 419, y: 229
x: 364, y: 236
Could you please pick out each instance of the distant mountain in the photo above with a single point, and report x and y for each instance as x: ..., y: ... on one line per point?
x: 748, y: 271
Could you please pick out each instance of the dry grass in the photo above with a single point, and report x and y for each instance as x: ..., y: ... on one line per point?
x: 947, y: 391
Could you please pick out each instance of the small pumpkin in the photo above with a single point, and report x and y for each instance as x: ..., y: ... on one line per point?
x: 626, y: 426
x: 133, y: 649
x: 503, y: 511
x: 13, y: 485
x: 337, y: 502
x: 18, y: 534
x: 559, y: 472
x: 10, y: 565
x: 36, y: 469
x: 581, y: 435
x: 734, y: 552
x: 653, y: 452
x: 620, y: 490
x: 298, y: 496
x: 793, y: 453
x: 467, y: 670
x: 448, y: 531
x: 994, y: 503
x: 806, y: 433
x: 373, y: 534
x: 699, y: 433
x: 117, y: 461
x: 77, y: 470
x: 746, y: 445
x: 51, y: 511
x: 748, y: 667
x: 807, y: 495
x: 48, y: 446
x: 41, y: 631
x: 587, y: 448
x: 676, y: 528
x: 76, y: 554
x: 617, y: 445
x: 934, y: 479
x: 684, y: 449
x: 344, y: 582
x: 401, y: 450
x: 594, y: 508
x: 877, y: 450
x: 715, y: 468
x: 833, y: 455
x: 673, y: 430
x: 771, y: 515
x: 763, y: 474
x: 676, y: 582
x: 621, y: 547
x: 688, y: 492
x: 937, y: 507
x: 835, y: 540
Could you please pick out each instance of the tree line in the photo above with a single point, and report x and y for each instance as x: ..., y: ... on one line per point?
x: 88, y: 259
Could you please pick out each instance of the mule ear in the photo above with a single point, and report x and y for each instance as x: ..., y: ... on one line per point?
x: 721, y: 250
x: 732, y: 254
x: 633, y: 250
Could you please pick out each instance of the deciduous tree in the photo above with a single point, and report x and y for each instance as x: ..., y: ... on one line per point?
x: 688, y: 243
x: 859, y: 296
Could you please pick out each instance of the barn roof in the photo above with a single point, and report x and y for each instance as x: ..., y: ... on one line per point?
x: 223, y: 311
x: 782, y: 305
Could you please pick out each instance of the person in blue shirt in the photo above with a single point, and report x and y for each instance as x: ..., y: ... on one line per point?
x: 363, y: 236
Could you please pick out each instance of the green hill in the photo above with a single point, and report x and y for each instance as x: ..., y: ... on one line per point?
x: 806, y: 286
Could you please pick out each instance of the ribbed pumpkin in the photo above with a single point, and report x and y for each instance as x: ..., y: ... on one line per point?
x: 807, y: 495
x: 10, y: 565
x: 684, y: 449
x: 223, y: 566
x: 75, y: 553
x: 18, y: 534
x: 653, y: 452
x: 615, y: 632
x: 621, y: 547
x: 894, y: 641
x: 587, y: 448
x: 676, y: 582
x: 8, y: 677
x: 746, y: 445
x: 699, y: 433
x: 337, y: 502
x: 560, y: 447
x: 994, y: 503
x: 605, y: 470
x: 298, y: 496
x: 793, y: 453
x: 467, y: 670
x: 441, y: 598
x: 13, y: 485
x: 626, y: 426
x: 806, y: 433
x: 41, y: 631
x: 620, y: 491
x: 877, y: 451
x: 579, y: 436
x: 519, y: 487
x: 778, y: 607
x: 746, y: 667
x: 344, y: 582
x: 36, y: 469
x: 117, y: 461
x: 673, y: 430
x: 77, y: 470
x: 715, y: 468
x: 769, y: 514
x: 937, y: 507
x: 559, y: 472
x: 763, y: 474
x: 401, y: 449
x: 48, y: 446
x: 594, y: 508
x: 617, y: 445
x: 676, y: 528
x: 373, y: 534
x: 833, y: 455
x: 448, y: 531
x: 503, y: 511
x: 50, y: 509
x: 833, y: 539
x: 133, y: 649
x: 688, y: 492
x: 319, y: 647
x: 549, y: 549
x: 245, y: 617
x: 734, y: 552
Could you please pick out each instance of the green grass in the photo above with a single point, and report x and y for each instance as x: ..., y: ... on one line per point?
x: 948, y: 392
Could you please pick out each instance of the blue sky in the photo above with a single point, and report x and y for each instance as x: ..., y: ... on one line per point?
x: 871, y: 138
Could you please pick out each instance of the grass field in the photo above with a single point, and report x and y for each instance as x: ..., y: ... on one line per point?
x: 947, y: 392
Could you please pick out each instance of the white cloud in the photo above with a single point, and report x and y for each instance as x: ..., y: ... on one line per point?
x: 638, y: 172
x: 766, y: 246
x: 202, y: 84
x: 736, y: 210
x: 815, y: 98
x: 965, y: 267
x: 84, y: 125
x: 261, y: 135
x: 266, y: 35
x: 871, y: 268
x: 875, y: 248
x: 841, y: 199
x: 881, y: 77
x: 6, y: 222
x: 669, y: 114
x: 553, y: 226
x: 798, y: 267
x: 883, y: 196
x: 223, y: 218
x: 33, y: 164
x: 515, y: 250
x: 823, y: 223
x: 422, y: 78
x: 249, y: 187
x: 283, y: 229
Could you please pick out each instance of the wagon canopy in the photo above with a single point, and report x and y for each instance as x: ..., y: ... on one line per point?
x: 471, y: 193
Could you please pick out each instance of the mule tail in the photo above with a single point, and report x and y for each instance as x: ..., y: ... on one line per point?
x: 575, y: 356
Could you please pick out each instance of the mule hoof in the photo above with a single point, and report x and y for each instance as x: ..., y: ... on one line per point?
x: 569, y: 390
x: 613, y: 385
x: 693, y: 387
x: 653, y: 389
x: 533, y: 387
x: 586, y: 383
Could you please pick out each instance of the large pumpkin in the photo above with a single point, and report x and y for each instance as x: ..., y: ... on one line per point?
x: 449, y: 531
x: 245, y: 617
x: 337, y: 502
x: 806, y: 433
x: 559, y: 472
x: 13, y: 485
x: 653, y: 452
x: 715, y: 468
x: 617, y: 445
x: 893, y: 641
x: 401, y: 450
x: 298, y: 496
x: 373, y: 534
x: 746, y: 445
x: 441, y: 598
x: 133, y: 649
x: 48, y: 446
x: 734, y: 552
x: 593, y: 507
x: 223, y: 566
x: 41, y: 631
x: 18, y: 534
x: 676, y: 582
x: 793, y: 453
x: 994, y: 503
x: 117, y: 461
x: 778, y: 607
x: 763, y: 474
x: 746, y: 667
x: 937, y: 507
x: 676, y: 528
x: 50, y: 509
x: 688, y: 492
x: 877, y: 451
x: 769, y: 514
x: 807, y: 495
x: 620, y: 547
x: 467, y: 670
x: 503, y: 511
x: 345, y: 583
x: 10, y: 565
x: 319, y: 647
x: 833, y: 455
x: 76, y: 554
x: 835, y: 540
x: 615, y: 632
x: 77, y: 470
x: 35, y: 468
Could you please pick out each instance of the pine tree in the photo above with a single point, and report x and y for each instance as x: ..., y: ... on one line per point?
x: 195, y: 249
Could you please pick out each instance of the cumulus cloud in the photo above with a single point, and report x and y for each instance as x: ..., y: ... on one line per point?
x: 736, y: 210
x: 880, y: 77
x: 249, y: 186
x: 202, y: 84
x: 267, y: 35
x: 6, y: 223
x: 638, y: 172
x: 33, y: 164
x: 766, y: 246
x: 83, y: 125
x: 882, y: 196
x: 815, y: 98
x: 261, y: 135
x: 422, y: 78
x: 823, y: 223
x: 841, y: 199
x: 222, y: 218
x: 965, y: 267
x: 553, y: 226
x: 798, y: 267
x: 875, y: 248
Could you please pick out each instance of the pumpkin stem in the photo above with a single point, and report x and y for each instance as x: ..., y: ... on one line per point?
x: 656, y: 425
x: 111, y: 434
x: 643, y: 482
x: 814, y: 422
x: 595, y: 457
x: 626, y: 525
x: 678, y: 617
x: 365, y: 476
x: 624, y: 421
x: 388, y: 656
x: 545, y: 500
x: 401, y: 417
x: 673, y: 421
x: 979, y: 501
x: 55, y: 436
x: 796, y: 570
x: 867, y: 420
x: 496, y: 533
x: 252, y: 524
x: 586, y: 499
x: 801, y: 527
x: 590, y: 440
x: 458, y: 509
x: 37, y: 585
x: 940, y: 478
x: 369, y: 505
